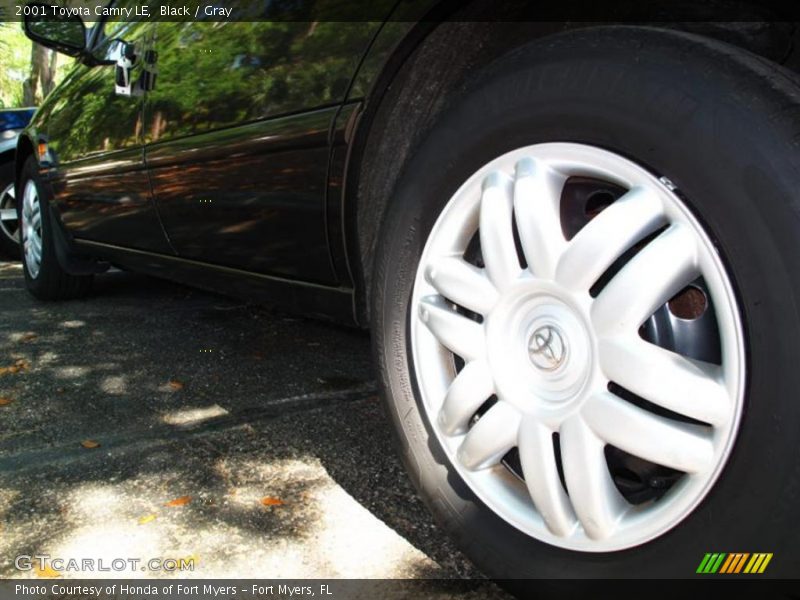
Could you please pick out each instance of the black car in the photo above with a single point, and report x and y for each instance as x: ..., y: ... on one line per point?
x: 575, y: 245
x: 12, y: 122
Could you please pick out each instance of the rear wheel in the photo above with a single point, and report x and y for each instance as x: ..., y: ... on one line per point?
x: 9, y: 223
x: 45, y: 278
x: 572, y: 271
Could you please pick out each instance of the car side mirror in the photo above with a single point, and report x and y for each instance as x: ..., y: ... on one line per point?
x: 63, y: 33
x: 126, y: 56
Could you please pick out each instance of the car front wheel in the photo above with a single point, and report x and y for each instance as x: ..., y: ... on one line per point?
x: 584, y: 309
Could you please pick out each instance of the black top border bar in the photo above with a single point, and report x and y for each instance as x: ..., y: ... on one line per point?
x: 607, y: 11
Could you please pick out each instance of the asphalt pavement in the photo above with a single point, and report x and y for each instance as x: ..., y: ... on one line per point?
x: 152, y: 420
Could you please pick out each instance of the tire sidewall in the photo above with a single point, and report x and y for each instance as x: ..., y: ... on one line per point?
x: 681, y: 116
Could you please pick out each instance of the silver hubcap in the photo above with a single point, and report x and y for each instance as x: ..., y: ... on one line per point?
x: 32, y: 229
x: 8, y: 214
x: 521, y: 355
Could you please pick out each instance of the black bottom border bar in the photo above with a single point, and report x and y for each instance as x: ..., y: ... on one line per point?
x: 396, y: 589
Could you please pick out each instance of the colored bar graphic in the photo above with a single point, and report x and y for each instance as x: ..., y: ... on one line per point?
x: 717, y: 564
x: 749, y: 568
x: 733, y: 563
x: 703, y: 563
x: 765, y: 563
x: 741, y: 562
x: 728, y: 565
x: 711, y: 562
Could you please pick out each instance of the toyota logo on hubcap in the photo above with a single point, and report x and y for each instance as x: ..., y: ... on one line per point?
x: 547, y: 349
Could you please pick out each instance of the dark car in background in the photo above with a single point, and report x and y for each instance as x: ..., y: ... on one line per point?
x: 12, y: 122
x: 575, y: 245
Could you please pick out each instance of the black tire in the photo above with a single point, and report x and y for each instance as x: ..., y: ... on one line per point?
x: 8, y: 247
x: 722, y: 125
x: 52, y: 282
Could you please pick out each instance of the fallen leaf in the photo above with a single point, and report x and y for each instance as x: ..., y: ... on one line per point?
x: 18, y: 366
x: 90, y: 444
x: 48, y: 572
x: 183, y: 500
x: 270, y: 501
x: 147, y: 519
x: 5, y: 401
x: 175, y: 385
x: 28, y: 337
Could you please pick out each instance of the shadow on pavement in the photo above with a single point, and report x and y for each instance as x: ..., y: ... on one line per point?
x: 265, y: 426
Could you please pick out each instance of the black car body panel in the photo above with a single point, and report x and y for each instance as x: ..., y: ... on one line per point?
x: 95, y: 158
x: 249, y: 197
x: 238, y: 139
x: 231, y: 171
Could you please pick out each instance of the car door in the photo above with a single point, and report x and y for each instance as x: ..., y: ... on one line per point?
x: 95, y: 141
x: 237, y: 135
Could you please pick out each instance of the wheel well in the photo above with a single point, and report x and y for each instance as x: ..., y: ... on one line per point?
x: 24, y: 150
x: 430, y: 69
x: 6, y: 167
